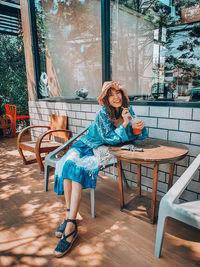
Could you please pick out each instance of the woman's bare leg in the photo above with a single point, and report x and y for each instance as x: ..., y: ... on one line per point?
x: 75, y: 202
x: 67, y: 193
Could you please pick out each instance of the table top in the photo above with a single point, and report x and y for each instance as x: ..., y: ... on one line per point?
x: 154, y: 151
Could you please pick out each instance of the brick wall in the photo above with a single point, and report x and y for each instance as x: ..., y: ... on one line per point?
x: 179, y: 124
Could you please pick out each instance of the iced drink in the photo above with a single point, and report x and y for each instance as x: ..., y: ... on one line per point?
x: 136, y: 131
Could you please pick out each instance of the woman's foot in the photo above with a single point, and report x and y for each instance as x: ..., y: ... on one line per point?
x: 70, y: 235
x: 61, y: 227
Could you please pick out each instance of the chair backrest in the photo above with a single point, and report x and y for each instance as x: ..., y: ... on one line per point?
x: 11, y: 110
x: 59, y: 122
x: 172, y: 196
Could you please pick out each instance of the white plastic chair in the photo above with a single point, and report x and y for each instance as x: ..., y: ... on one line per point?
x: 51, y: 160
x: 188, y: 212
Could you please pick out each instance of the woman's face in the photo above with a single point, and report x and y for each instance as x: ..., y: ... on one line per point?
x: 115, y: 98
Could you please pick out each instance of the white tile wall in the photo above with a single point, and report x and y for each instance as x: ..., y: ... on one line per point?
x: 150, y: 122
x: 86, y: 107
x: 80, y: 115
x: 190, y: 126
x: 181, y: 137
x: 189, y: 195
x: 196, y: 113
x: 96, y: 108
x: 168, y: 124
x: 194, y: 186
x: 90, y: 116
x: 158, y: 133
x: 76, y: 107
x: 195, y: 139
x: 162, y: 187
x: 67, y: 106
x: 180, y: 113
x: 141, y: 110
x: 157, y: 111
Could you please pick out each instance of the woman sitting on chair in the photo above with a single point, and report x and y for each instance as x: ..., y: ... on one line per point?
x: 78, y: 168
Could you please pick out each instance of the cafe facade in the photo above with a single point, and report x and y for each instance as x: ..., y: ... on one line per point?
x: 77, y: 45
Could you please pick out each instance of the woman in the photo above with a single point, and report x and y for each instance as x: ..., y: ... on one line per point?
x: 78, y: 168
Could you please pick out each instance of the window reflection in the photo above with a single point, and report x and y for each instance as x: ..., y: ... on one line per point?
x: 155, y: 48
x: 73, y: 45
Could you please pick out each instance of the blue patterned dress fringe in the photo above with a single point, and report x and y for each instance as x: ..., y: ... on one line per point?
x: 79, y: 164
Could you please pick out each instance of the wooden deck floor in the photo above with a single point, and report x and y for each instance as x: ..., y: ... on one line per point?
x: 29, y: 217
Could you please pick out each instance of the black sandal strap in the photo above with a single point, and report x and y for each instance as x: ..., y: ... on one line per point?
x: 66, y: 236
x: 73, y: 232
x: 74, y: 222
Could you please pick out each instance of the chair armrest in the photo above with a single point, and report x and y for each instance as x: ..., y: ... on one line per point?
x: 52, y: 154
x: 5, y: 117
x: 9, y: 117
x: 41, y: 137
x: 26, y: 129
x: 176, y: 190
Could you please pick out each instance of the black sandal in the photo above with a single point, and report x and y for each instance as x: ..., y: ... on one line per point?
x: 63, y: 245
x: 61, y: 227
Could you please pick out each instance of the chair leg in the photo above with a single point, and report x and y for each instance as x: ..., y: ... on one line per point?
x: 39, y: 160
x: 13, y: 130
x: 22, y: 155
x: 159, y: 235
x: 46, y: 177
x: 92, y: 199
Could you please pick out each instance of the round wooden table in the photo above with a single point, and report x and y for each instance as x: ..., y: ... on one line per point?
x: 155, y: 152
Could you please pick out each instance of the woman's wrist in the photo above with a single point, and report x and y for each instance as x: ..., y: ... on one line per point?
x: 125, y: 124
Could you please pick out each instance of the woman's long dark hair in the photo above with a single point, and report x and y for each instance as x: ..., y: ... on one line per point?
x: 112, y: 113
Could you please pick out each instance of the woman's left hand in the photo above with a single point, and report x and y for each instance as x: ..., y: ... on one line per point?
x: 138, y: 125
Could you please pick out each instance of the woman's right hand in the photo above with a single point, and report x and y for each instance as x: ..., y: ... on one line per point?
x: 126, y: 116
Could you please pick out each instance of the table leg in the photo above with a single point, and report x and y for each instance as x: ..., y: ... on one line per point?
x: 154, y: 192
x: 120, y: 184
x: 171, y: 173
x: 139, y: 179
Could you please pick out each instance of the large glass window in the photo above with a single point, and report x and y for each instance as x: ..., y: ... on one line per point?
x: 155, y: 48
x: 72, y: 35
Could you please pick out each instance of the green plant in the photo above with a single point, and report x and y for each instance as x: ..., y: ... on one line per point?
x: 13, y: 85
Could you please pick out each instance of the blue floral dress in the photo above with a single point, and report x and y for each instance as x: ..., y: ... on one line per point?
x: 79, y: 163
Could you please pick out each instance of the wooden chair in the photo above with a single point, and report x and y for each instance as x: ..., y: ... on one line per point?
x: 6, y: 124
x: 12, y: 111
x: 45, y: 143
x: 188, y: 212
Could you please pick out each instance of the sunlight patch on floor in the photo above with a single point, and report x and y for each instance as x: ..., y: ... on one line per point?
x: 90, y: 255
x: 28, y: 209
x: 15, y: 244
x: 6, y: 261
x: 13, y: 153
x: 12, y: 189
x: 33, y: 261
x: 193, y: 247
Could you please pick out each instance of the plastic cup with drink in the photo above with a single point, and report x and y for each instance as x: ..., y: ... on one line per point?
x: 134, y: 118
